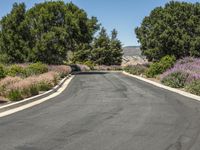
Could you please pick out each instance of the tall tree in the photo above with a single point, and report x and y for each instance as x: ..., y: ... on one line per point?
x: 116, y: 48
x: 56, y: 28
x: 101, y: 48
x: 45, y: 33
x: 50, y: 27
x: 13, y: 41
x: 170, y: 30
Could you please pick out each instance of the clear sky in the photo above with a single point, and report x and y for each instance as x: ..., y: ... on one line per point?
x: 124, y: 15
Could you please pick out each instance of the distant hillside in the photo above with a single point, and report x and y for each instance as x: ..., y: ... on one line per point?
x: 132, y: 51
x: 132, y: 56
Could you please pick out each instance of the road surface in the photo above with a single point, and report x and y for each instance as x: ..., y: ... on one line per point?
x: 106, y: 111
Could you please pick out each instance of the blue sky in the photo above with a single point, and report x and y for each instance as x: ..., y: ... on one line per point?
x: 124, y: 15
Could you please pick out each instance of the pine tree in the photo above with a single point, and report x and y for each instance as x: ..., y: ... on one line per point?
x: 14, y: 35
x: 171, y: 30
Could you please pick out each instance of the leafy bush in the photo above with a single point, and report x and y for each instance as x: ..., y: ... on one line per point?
x: 188, y: 65
x: 161, y: 66
x: 90, y: 64
x: 44, y: 86
x: 136, y: 69
x: 34, y: 90
x: 15, y: 95
x: 36, y: 69
x: 194, y: 87
x: 175, y: 79
x: 2, y: 71
x: 15, y: 70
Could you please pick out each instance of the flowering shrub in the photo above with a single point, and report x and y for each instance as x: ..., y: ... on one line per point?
x: 175, y: 79
x: 63, y: 70
x: 194, y: 87
x: 188, y: 65
x: 6, y: 82
x: 185, y: 73
x: 136, y: 69
x: 31, y: 86
x: 26, y: 80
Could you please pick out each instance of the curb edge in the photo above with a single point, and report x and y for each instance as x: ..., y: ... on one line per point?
x: 180, y: 92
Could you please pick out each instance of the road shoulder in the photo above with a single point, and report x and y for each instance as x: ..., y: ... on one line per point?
x: 186, y: 94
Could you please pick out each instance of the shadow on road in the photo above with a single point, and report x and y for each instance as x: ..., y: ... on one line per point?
x: 91, y: 73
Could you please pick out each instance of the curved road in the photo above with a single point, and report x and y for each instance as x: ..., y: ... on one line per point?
x: 106, y: 111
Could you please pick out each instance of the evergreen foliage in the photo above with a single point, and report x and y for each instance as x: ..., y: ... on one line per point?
x: 171, y: 30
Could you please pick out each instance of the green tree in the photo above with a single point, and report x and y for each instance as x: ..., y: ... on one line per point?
x: 101, y: 48
x: 170, y: 30
x: 83, y: 54
x: 50, y: 27
x: 56, y: 28
x: 13, y: 44
x: 107, y: 50
x: 104, y: 50
x: 46, y: 32
x: 116, y: 48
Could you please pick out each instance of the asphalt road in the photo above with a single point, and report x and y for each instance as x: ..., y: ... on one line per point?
x: 106, y: 111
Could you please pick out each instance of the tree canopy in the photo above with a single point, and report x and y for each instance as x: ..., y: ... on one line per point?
x: 45, y: 33
x: 104, y: 50
x: 171, y: 30
x: 13, y: 43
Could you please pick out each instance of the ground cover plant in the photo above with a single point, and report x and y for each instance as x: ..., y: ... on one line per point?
x: 185, y: 73
x: 25, y: 80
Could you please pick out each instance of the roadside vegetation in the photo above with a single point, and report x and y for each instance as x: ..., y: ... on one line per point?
x: 170, y: 40
x: 43, y: 44
x: 21, y: 81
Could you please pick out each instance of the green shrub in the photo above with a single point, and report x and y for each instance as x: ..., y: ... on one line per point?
x: 36, y: 69
x: 34, y: 90
x: 175, y: 79
x: 194, y: 87
x: 44, y: 86
x: 15, y: 70
x: 90, y: 64
x: 15, y: 95
x: 161, y: 66
x: 2, y: 71
x: 136, y: 69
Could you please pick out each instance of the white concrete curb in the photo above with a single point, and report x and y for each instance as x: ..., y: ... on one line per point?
x: 186, y: 94
x: 32, y: 101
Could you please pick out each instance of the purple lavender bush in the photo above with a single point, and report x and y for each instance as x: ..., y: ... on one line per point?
x: 188, y: 71
x: 194, y: 87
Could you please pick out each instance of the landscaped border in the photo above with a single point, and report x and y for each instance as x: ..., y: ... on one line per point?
x: 40, y: 98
